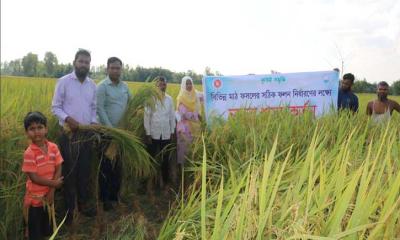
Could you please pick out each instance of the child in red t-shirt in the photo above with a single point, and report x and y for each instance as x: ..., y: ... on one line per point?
x: 42, y: 165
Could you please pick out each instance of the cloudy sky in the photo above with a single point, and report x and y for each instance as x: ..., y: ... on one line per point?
x: 231, y: 36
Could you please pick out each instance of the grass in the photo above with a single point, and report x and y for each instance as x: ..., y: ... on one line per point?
x: 266, y: 176
x: 340, y: 181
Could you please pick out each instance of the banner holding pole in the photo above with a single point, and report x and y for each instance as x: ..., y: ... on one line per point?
x: 313, y: 91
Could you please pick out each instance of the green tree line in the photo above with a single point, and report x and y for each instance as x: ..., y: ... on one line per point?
x: 31, y: 66
x: 362, y: 86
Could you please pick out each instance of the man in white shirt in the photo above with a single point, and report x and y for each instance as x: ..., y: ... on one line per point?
x: 159, y: 124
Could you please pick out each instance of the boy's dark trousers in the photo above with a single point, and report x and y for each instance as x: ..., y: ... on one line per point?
x: 39, y: 225
x: 158, y: 150
x: 76, y: 151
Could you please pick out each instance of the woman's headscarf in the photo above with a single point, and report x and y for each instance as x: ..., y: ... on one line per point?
x: 188, y: 99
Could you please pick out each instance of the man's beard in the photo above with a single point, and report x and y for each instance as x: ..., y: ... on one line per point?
x: 81, y: 72
x: 382, y: 97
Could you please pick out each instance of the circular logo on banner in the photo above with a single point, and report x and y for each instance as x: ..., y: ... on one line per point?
x: 217, y: 83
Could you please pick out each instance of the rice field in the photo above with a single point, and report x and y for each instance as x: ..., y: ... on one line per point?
x: 266, y: 176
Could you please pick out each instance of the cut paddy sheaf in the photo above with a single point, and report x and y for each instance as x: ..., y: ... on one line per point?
x: 266, y: 176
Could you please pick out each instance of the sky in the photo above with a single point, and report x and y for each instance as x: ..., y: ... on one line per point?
x: 230, y: 36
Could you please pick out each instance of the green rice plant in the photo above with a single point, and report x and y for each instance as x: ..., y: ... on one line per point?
x: 335, y: 184
x: 20, y: 95
x: 132, y: 120
x: 136, y: 160
x: 267, y: 176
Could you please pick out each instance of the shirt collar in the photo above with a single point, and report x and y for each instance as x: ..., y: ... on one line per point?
x: 36, y: 147
x: 109, y: 82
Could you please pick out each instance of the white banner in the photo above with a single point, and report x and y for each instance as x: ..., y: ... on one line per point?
x: 313, y: 91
